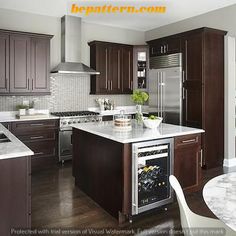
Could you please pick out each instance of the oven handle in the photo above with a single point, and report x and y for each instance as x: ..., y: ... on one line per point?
x: 64, y: 130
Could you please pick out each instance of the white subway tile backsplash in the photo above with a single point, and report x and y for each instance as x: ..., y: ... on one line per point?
x: 68, y: 93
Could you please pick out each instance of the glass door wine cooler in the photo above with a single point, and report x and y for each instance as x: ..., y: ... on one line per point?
x: 152, y: 165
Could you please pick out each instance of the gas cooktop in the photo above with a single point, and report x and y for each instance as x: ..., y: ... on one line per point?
x: 74, y: 113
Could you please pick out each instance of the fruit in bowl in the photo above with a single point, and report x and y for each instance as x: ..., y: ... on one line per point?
x: 152, y: 122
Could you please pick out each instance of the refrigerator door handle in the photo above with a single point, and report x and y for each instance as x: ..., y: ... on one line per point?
x: 161, y: 84
x: 158, y: 93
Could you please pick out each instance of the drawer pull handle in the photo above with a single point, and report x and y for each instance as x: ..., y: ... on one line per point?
x: 38, y: 153
x: 36, y: 124
x: 36, y: 137
x: 189, y: 141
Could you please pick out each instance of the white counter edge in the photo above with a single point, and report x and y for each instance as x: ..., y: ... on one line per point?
x: 133, y: 140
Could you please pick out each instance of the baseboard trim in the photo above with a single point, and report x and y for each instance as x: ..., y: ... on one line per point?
x: 230, y: 162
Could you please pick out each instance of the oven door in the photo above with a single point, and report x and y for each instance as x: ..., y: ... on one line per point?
x: 65, y: 145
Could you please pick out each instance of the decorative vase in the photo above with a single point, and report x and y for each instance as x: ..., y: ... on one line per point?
x: 102, y: 107
x: 139, y: 114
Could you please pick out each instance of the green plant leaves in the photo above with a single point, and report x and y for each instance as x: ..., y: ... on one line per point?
x: 139, y: 97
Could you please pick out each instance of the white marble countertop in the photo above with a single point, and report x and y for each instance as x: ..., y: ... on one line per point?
x: 220, y: 195
x: 12, y: 149
x: 10, y: 116
x: 137, y: 134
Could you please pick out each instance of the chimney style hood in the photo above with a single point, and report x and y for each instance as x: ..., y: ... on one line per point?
x: 71, y: 48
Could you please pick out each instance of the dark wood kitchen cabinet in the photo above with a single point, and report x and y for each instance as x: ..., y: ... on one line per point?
x: 127, y: 69
x: 192, y: 46
x: 41, y: 137
x: 20, y: 64
x: 24, y: 63
x: 164, y: 46
x: 15, y: 197
x: 115, y: 68
x: 187, y: 161
x: 115, y: 64
x: 99, y: 60
x: 203, y: 86
x: 4, y: 63
x: 40, y: 65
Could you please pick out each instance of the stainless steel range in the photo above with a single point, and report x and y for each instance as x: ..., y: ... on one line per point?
x: 65, y: 132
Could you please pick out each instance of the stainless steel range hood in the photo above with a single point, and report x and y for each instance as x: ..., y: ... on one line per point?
x: 71, y: 48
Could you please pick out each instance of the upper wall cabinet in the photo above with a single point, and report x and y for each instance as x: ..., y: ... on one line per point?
x: 164, y: 46
x: 4, y: 63
x: 40, y: 65
x: 19, y: 64
x: 115, y: 64
x: 24, y: 63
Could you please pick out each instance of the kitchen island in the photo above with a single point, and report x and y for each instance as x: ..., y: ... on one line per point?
x: 104, y: 164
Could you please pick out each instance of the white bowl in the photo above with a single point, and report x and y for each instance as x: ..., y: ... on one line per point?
x: 152, y: 124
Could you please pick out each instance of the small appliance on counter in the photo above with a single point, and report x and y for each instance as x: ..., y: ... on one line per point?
x: 122, y: 122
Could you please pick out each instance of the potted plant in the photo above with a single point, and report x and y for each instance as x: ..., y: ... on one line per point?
x: 139, y: 98
x: 31, y: 109
x: 22, y: 109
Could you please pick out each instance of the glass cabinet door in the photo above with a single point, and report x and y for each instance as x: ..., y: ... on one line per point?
x: 142, y: 70
x: 141, y: 67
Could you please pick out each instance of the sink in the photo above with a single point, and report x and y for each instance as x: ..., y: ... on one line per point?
x: 4, y: 138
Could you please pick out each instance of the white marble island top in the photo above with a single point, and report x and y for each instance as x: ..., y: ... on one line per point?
x: 12, y: 149
x: 137, y: 134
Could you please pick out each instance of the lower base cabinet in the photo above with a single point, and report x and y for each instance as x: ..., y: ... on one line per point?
x: 41, y: 137
x: 187, y: 161
x: 15, y: 197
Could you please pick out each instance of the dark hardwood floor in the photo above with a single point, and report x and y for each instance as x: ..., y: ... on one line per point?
x: 57, y: 203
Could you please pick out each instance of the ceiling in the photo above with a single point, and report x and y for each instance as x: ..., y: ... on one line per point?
x: 176, y: 10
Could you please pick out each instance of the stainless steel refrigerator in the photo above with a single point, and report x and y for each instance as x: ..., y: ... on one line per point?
x: 165, y: 87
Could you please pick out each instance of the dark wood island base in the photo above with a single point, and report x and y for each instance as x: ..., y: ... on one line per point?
x: 102, y: 169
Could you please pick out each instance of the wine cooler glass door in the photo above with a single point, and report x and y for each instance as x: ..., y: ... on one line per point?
x: 152, y: 165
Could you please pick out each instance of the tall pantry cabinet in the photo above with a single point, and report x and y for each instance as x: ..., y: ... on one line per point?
x: 203, y: 83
